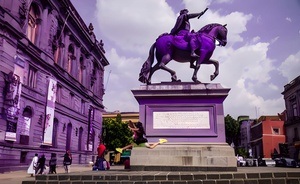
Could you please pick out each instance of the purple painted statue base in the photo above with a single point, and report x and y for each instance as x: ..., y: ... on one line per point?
x: 191, y: 117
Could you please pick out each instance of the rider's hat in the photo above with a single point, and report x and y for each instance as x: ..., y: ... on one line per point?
x: 182, y: 11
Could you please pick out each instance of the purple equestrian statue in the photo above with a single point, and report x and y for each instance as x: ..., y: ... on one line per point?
x: 184, y: 46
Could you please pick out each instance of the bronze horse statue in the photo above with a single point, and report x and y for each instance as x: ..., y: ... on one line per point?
x: 169, y: 47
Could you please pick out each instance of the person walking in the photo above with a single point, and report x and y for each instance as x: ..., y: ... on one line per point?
x: 67, y: 161
x: 41, y: 165
x: 52, y: 164
x: 33, y: 165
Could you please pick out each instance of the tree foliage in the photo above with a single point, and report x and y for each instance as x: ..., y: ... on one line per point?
x: 116, y: 133
x: 231, y: 130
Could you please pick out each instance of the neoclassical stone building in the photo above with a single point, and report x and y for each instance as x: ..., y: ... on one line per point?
x: 51, y: 83
x: 291, y: 115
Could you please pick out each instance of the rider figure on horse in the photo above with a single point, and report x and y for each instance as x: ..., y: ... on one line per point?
x: 182, y: 28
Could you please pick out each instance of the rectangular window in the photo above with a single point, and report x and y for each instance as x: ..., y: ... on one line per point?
x: 276, y: 131
x: 31, y: 81
x: 23, y: 156
x: 58, y: 93
x: 294, y: 107
x: 72, y: 97
x: 82, y: 107
x: 24, y: 139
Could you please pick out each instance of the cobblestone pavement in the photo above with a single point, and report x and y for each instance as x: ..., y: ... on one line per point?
x: 16, y: 177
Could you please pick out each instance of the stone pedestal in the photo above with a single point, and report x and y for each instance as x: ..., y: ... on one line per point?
x: 190, y: 116
x: 184, y: 157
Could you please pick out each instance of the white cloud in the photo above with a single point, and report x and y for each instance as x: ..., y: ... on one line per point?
x: 274, y: 39
x: 122, y: 78
x: 243, y: 70
x: 134, y: 28
x: 290, y: 67
x: 224, y: 1
x: 255, y: 39
x: 133, y: 25
x: 288, y: 19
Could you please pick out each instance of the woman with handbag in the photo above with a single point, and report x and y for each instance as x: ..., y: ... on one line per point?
x: 67, y: 161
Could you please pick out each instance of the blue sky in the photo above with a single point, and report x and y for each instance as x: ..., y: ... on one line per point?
x: 262, y: 54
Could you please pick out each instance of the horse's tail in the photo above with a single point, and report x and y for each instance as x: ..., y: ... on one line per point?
x: 146, y: 68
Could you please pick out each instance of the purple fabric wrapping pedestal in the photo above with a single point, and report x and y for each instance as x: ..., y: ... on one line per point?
x: 183, y: 97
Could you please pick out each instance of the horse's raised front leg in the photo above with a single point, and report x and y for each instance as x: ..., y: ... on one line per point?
x: 216, y: 64
x: 216, y: 73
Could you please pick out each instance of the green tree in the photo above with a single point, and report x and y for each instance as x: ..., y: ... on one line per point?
x: 116, y: 133
x: 232, y: 128
x: 242, y: 152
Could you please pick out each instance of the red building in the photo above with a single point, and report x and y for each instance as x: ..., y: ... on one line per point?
x: 266, y: 135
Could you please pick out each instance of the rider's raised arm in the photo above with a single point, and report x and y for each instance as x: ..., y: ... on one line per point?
x: 194, y: 15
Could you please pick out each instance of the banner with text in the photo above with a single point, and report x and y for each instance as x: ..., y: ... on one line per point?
x: 50, y: 107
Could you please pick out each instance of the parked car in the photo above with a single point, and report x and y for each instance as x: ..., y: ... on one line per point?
x: 285, y: 162
x: 241, y: 161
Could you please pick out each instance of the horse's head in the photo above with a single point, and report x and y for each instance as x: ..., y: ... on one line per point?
x: 218, y: 31
x: 222, y: 35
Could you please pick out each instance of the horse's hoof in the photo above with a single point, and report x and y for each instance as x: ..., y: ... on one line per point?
x: 196, y: 81
x: 175, y: 80
x: 193, y: 66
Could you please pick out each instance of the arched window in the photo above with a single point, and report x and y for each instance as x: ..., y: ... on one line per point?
x: 28, y: 112
x: 58, y: 53
x: 81, y: 68
x: 33, y: 23
x: 69, y: 136
x: 24, y: 126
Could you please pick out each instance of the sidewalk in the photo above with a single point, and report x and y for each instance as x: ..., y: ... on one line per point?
x: 16, y: 177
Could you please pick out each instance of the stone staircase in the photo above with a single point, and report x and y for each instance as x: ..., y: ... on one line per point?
x: 150, y: 177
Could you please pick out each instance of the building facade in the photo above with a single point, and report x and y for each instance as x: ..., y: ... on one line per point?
x: 51, y: 82
x: 126, y: 116
x: 266, y: 135
x: 291, y: 95
x: 245, y: 133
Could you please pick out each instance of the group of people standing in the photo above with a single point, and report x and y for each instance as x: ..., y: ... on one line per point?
x: 38, y: 164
